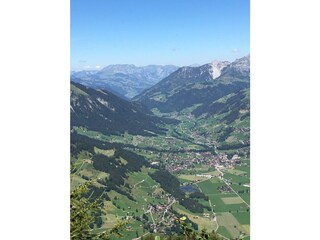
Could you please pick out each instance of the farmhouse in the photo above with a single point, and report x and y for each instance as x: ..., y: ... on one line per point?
x: 235, y: 157
x: 204, y: 175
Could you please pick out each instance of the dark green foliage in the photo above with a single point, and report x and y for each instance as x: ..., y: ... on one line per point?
x: 134, y: 161
x: 233, y: 115
x: 83, y: 213
x: 233, y: 146
x: 169, y: 183
x: 144, y: 216
x: 112, y: 165
x: 232, y: 106
x: 178, y: 135
x: 172, y: 185
x: 189, y: 96
x: 225, y: 134
x: 85, y: 177
x: 80, y: 142
x: 245, y: 115
x: 107, y: 113
x: 199, y: 195
x: 95, y: 193
x: 117, y: 171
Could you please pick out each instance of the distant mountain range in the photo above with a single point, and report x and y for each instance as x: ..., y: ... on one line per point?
x: 125, y: 80
x: 217, y: 88
x: 201, y: 85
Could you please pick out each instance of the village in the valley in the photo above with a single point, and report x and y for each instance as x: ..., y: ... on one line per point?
x: 202, y: 168
x: 182, y: 165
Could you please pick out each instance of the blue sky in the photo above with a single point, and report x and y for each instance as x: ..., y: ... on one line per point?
x: 142, y: 32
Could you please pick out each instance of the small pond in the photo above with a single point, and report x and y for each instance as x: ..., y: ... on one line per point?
x: 189, y: 188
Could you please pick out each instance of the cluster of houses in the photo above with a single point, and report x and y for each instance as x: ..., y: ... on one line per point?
x: 165, y: 218
x: 224, y: 189
x: 175, y: 163
x: 204, y: 175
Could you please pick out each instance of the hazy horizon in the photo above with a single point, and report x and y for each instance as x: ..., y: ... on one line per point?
x: 99, y: 67
x: 180, y: 33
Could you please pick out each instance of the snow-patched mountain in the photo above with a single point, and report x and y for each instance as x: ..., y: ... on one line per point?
x: 197, y: 85
x: 186, y: 75
x: 124, y: 79
x: 240, y: 68
x: 83, y: 74
x: 216, y: 67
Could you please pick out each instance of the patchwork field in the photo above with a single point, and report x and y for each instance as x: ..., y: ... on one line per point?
x: 235, y: 172
x: 223, y: 231
x: 245, y: 169
x: 210, y: 186
x: 245, y: 197
x: 243, y: 217
x: 132, y: 230
x: 214, y: 173
x: 203, y: 222
x: 220, y: 206
x: 244, y: 192
x: 232, y: 213
x: 232, y: 225
x: 236, y: 178
x: 232, y: 200
x: 191, y: 178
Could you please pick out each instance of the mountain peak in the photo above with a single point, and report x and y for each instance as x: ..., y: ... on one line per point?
x: 240, y: 67
x: 194, y: 85
x: 216, y: 66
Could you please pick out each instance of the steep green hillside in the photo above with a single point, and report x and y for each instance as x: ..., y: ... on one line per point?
x: 103, y: 111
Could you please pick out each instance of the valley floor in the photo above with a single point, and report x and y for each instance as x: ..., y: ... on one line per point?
x: 194, y: 158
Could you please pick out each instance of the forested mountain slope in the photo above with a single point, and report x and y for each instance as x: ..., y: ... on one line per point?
x: 100, y: 110
x: 197, y: 85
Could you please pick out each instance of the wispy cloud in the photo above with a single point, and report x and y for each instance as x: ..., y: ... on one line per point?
x: 235, y: 50
x: 91, y: 67
x: 87, y: 67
